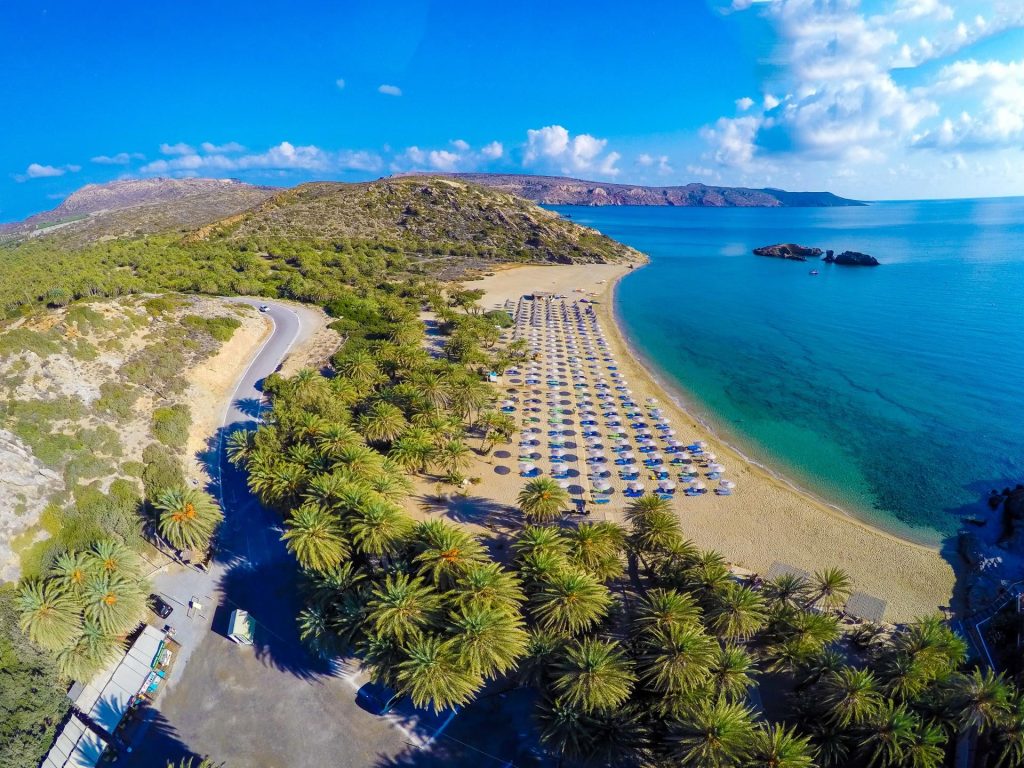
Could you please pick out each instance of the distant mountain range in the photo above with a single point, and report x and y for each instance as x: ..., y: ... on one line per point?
x: 559, y: 190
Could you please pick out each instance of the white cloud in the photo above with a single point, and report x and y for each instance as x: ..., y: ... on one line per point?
x: 40, y: 171
x: 282, y: 157
x: 460, y: 145
x: 664, y: 167
x: 121, y: 158
x: 221, y: 149
x: 389, y: 90
x: 645, y: 160
x: 181, y: 148
x: 340, y: 82
x: 552, y: 147
x: 493, y: 151
x: 744, y: 104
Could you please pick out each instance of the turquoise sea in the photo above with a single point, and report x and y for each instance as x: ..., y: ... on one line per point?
x: 895, y: 392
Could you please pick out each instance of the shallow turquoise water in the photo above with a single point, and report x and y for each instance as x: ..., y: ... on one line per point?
x: 896, y: 392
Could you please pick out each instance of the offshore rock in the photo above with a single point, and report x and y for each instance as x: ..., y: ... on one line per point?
x: 853, y: 259
x: 790, y: 251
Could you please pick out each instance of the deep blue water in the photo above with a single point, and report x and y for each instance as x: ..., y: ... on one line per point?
x: 896, y: 392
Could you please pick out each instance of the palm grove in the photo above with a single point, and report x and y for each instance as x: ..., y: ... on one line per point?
x: 641, y: 648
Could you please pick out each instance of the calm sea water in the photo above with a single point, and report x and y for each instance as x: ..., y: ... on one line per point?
x: 895, y: 392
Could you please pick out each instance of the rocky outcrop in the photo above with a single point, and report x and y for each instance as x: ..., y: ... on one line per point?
x: 790, y: 251
x: 1013, y: 519
x: 852, y: 259
x: 25, y: 486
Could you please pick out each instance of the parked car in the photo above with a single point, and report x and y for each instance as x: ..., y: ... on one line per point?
x: 377, y: 699
x: 159, y: 606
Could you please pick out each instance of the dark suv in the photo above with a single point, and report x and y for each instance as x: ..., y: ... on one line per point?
x: 159, y: 606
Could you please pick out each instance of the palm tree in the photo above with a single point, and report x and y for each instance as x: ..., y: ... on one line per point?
x: 453, y: 457
x: 487, y: 585
x: 541, y: 539
x: 737, y: 612
x: 239, y: 446
x: 391, y: 485
x: 542, y: 500
x: 335, y: 437
x: 731, y: 673
x: 1009, y: 734
x: 656, y: 533
x: 706, y: 579
x: 542, y: 648
x: 470, y: 396
x: 677, y: 659
x: 851, y: 696
x: 621, y: 737
x: 89, y: 653
x: 71, y: 570
x: 566, y: 729
x: 570, y: 602
x: 927, y: 748
x: 358, y: 463
x: 488, y: 641
x: 716, y: 734
x: 187, y: 517
x: 382, y: 423
x: 829, y: 588
x: 413, y: 452
x: 646, y: 505
x: 775, y: 746
x: 361, y: 368
x: 433, y: 388
x: 49, y: 614
x: 903, y: 677
x: 110, y: 556
x: 403, y: 607
x: 597, y: 548
x: 981, y: 700
x: 788, y: 590
x: 666, y: 610
x: 378, y: 528
x: 114, y: 602
x: 313, y: 534
x: 593, y: 675
x: 446, y: 553
x: 888, y: 734
x: 433, y: 675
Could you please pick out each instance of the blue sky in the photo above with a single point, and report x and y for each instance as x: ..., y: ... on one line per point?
x: 872, y: 99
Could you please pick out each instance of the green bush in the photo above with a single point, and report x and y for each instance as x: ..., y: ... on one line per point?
x: 220, y: 328
x: 117, y: 399
x: 171, y: 425
x: 162, y: 470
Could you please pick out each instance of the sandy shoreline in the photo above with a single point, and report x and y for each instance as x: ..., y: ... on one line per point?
x: 768, y: 519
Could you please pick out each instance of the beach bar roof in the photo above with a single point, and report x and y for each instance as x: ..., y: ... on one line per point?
x: 76, y: 747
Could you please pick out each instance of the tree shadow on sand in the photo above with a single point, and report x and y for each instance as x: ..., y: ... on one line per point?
x: 472, y: 509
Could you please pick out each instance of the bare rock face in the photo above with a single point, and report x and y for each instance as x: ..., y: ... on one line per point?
x: 790, y: 251
x: 25, y: 485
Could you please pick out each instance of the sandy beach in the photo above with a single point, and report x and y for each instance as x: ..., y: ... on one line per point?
x: 766, y: 521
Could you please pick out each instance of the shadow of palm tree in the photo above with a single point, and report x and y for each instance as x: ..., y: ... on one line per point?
x: 152, y: 741
x: 472, y: 509
x: 250, y: 406
x: 269, y: 592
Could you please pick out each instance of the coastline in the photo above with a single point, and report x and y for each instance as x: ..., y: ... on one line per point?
x: 770, y: 518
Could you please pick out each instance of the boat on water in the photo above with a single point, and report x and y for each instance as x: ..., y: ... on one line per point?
x: 814, y: 271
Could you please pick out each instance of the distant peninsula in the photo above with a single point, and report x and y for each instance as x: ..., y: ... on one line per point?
x: 559, y: 190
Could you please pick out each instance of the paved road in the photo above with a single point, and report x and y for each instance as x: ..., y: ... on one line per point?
x: 272, y: 705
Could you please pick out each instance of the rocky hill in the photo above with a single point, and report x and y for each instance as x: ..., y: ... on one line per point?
x: 433, y: 218
x: 558, y: 190
x: 139, y: 207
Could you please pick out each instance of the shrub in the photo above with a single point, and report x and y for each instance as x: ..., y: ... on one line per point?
x: 117, y: 399
x: 162, y: 471
x: 220, y: 328
x: 171, y: 425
